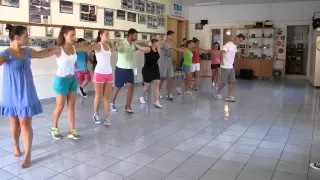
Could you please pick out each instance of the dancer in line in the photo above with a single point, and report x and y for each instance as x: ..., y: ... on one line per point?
x: 151, y: 72
x: 227, y: 55
x: 20, y: 101
x: 215, y: 64
x: 195, y: 67
x: 82, y: 73
x: 124, y: 72
x: 165, y: 64
x: 186, y: 67
x: 65, y: 83
x: 102, y: 76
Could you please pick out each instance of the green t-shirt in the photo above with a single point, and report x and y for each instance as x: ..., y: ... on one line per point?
x: 125, y: 55
x: 187, y: 58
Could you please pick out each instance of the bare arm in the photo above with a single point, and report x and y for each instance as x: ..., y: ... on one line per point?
x: 222, y: 52
x: 2, y: 61
x: 44, y: 52
x: 143, y: 49
x: 203, y: 50
x: 86, y: 48
x: 181, y: 49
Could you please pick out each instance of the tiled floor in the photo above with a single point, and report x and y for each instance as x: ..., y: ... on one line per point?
x: 272, y: 132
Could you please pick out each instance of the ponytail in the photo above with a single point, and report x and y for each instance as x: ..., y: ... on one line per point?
x: 101, y: 31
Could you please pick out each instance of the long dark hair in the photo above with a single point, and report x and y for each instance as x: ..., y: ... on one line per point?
x: 64, y: 30
x: 215, y: 44
x: 189, y: 42
x: 101, y: 31
x: 15, y: 30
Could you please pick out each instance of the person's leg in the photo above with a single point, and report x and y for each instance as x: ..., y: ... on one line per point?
x: 213, y: 78
x: 155, y: 86
x: 146, y: 87
x: 170, y: 76
x: 217, y: 75
x: 130, y: 85
x: 188, y: 81
x: 15, y: 131
x: 86, y: 78
x: 224, y: 80
x: 27, y: 136
x: 80, y: 79
x: 71, y: 102
x: 106, y: 97
x: 196, y: 82
x: 231, y: 81
x: 96, y: 102
x: 119, y: 83
x: 61, y: 88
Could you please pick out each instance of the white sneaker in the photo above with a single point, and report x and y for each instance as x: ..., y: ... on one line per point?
x: 96, y: 118
x: 107, y: 121
x: 179, y: 91
x: 157, y: 104
x: 218, y: 96
x: 230, y: 99
x: 188, y: 93
x: 113, y: 107
x: 170, y: 97
x: 142, y: 101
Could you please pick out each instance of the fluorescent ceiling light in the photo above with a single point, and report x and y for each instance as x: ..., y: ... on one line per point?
x: 206, y: 4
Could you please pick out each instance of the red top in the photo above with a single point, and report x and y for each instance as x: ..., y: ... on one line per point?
x: 195, y: 57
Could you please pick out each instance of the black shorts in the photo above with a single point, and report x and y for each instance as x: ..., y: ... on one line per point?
x: 150, y: 74
x: 215, y: 66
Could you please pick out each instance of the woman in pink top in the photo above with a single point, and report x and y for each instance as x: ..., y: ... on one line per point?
x: 215, y: 64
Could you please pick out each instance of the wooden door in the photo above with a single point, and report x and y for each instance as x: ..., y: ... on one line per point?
x: 172, y: 24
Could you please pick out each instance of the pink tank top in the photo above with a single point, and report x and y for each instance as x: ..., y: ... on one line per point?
x: 215, y: 57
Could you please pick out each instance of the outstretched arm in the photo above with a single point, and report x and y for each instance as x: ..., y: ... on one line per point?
x: 181, y: 49
x: 50, y: 51
x: 143, y: 49
x: 203, y: 50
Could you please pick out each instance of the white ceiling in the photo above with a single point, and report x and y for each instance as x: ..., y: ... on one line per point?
x: 236, y: 2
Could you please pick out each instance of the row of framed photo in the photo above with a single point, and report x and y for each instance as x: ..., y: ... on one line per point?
x: 144, y: 6
x: 89, y: 34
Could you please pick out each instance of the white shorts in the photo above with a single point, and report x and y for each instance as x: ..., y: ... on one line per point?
x: 195, y: 67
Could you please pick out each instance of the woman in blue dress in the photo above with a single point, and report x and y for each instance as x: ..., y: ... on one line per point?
x: 20, y: 101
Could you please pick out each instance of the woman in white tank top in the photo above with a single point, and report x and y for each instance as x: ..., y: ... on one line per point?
x: 65, y: 83
x: 102, y: 76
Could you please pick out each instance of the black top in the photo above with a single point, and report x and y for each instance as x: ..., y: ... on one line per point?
x: 151, y: 58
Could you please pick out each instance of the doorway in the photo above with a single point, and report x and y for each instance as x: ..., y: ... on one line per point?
x: 297, y: 50
x: 216, y: 36
x: 181, y: 30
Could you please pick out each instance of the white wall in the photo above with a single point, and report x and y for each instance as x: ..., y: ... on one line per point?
x: 236, y: 16
x: 44, y: 69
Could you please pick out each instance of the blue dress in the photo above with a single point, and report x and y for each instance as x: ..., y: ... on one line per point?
x: 19, y: 95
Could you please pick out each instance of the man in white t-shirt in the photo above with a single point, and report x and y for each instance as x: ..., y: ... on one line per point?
x: 226, y: 64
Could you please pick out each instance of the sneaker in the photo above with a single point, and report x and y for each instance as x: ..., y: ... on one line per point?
x: 230, y: 99
x: 161, y: 97
x: 113, y: 107
x: 142, y: 101
x: 157, y: 104
x: 188, y: 92
x: 218, y: 96
x: 179, y: 91
x: 170, y: 97
x: 82, y: 93
x: 74, y: 135
x: 315, y: 165
x: 128, y: 110
x: 195, y: 88
x: 96, y: 118
x: 55, y: 132
x: 107, y: 121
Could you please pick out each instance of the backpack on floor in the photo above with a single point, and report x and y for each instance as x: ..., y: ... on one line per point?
x: 246, y: 73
